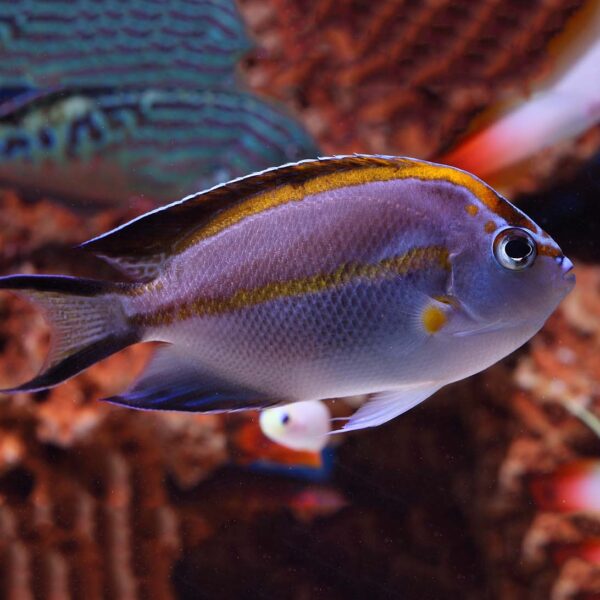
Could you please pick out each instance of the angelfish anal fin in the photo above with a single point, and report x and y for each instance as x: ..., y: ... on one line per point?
x: 385, y: 406
x: 172, y: 382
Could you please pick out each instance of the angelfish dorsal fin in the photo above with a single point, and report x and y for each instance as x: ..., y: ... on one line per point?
x: 141, y: 247
x: 137, y: 268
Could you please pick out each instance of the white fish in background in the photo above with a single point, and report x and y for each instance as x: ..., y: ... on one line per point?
x: 561, y: 110
x: 298, y: 426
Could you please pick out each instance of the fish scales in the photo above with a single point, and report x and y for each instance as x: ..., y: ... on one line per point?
x: 330, y: 278
x: 249, y: 260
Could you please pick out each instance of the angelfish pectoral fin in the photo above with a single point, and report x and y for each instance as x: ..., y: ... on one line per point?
x: 173, y: 382
x: 385, y: 406
x: 479, y: 329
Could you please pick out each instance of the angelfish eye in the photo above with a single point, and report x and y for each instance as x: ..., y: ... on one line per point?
x: 514, y: 249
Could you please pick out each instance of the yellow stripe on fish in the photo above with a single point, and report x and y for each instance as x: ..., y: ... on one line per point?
x: 143, y: 246
x: 411, y: 261
x: 361, y: 171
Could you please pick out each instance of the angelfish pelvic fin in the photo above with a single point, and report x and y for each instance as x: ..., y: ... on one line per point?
x: 385, y: 406
x: 173, y: 382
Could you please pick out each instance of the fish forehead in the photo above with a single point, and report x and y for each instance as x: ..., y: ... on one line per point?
x: 295, y: 182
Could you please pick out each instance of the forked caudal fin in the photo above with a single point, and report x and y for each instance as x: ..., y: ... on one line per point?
x: 86, y: 319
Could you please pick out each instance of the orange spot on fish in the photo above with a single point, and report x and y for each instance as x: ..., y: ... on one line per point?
x: 472, y: 209
x: 551, y: 251
x: 490, y: 227
x: 433, y: 319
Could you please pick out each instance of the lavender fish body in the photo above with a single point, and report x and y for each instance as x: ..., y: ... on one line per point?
x: 327, y: 278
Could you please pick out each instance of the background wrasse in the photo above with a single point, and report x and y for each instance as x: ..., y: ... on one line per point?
x: 105, y: 102
x: 325, y: 278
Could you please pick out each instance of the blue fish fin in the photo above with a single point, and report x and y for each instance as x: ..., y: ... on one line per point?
x: 172, y: 381
x: 385, y: 406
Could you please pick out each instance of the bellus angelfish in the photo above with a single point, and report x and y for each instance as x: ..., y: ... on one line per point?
x: 326, y: 278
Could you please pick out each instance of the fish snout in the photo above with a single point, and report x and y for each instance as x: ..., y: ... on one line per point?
x: 567, y: 269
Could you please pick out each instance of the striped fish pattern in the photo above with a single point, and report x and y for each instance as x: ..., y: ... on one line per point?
x: 105, y: 101
x: 110, y: 146
x: 139, y: 43
x: 326, y: 278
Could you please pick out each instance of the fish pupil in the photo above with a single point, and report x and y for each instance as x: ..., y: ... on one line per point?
x: 518, y: 248
x: 285, y: 419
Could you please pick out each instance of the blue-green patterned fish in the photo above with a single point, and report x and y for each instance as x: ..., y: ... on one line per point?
x: 326, y: 278
x: 105, y: 101
x: 102, y: 145
x: 136, y: 44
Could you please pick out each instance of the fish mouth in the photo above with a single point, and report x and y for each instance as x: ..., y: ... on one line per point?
x: 567, y: 270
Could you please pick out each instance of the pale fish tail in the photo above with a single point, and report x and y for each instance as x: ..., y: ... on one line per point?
x: 87, y: 321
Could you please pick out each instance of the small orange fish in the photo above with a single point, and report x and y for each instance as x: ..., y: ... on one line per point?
x: 252, y: 447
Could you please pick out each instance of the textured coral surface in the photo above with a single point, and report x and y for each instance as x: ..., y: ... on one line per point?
x: 397, y: 76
